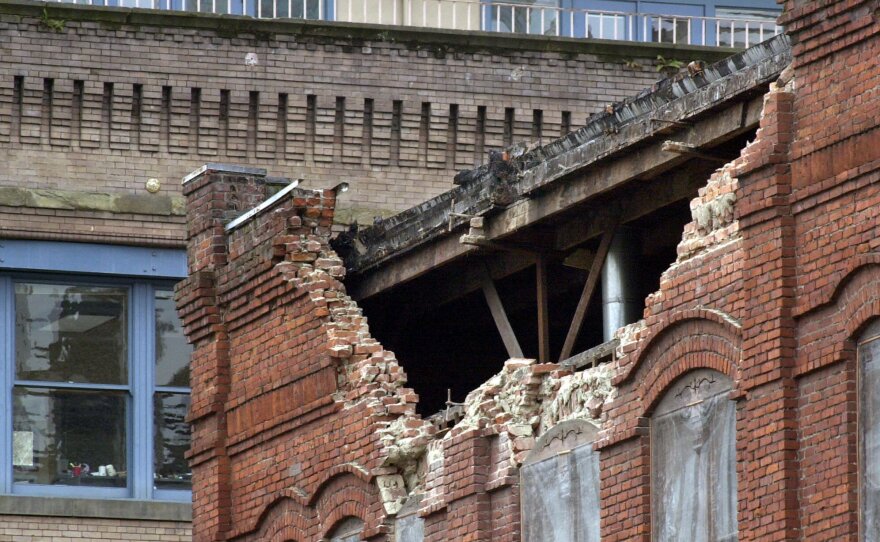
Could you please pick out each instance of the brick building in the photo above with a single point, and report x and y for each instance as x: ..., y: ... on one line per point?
x: 104, y: 110
x: 737, y: 403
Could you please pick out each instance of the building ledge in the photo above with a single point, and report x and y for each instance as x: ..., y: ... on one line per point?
x: 21, y: 505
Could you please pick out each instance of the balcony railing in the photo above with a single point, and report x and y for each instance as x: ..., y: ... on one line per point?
x: 504, y: 17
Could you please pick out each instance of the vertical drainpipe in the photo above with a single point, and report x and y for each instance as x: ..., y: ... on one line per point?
x: 620, y: 302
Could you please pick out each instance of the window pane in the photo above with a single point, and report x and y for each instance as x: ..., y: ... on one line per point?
x: 561, y: 498
x: 171, y: 441
x: 694, y: 470
x: 348, y: 530
x: 761, y: 25
x: 869, y: 354
x: 65, y: 437
x: 669, y: 29
x: 70, y: 333
x: 172, y: 350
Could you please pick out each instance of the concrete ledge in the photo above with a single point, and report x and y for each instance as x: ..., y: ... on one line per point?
x: 441, y: 41
x: 74, y: 200
x: 21, y: 505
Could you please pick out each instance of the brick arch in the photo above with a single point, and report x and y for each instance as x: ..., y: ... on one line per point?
x: 347, y: 495
x: 831, y: 292
x: 691, y: 339
x: 335, y: 472
x: 672, y: 329
x: 655, y: 390
x: 283, y: 520
x: 827, y: 333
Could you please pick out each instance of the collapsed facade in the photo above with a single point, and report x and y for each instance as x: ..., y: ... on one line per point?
x: 104, y: 109
x: 738, y: 405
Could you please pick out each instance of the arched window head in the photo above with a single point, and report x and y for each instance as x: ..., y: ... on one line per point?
x: 693, y: 461
x: 560, y: 486
x: 347, y: 530
x: 869, y: 429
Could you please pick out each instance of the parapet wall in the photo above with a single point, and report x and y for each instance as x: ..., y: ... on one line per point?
x: 99, y: 101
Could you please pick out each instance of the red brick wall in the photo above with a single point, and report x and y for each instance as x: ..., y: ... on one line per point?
x: 773, y: 296
x: 289, y: 390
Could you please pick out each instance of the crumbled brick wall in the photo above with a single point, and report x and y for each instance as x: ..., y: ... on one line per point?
x: 290, y: 391
x: 105, y: 105
x: 40, y: 529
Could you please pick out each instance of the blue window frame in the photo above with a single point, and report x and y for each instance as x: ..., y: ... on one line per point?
x: 95, y: 372
x: 698, y: 22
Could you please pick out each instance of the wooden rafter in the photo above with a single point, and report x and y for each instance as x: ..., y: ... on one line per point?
x: 590, y: 286
x: 500, y: 317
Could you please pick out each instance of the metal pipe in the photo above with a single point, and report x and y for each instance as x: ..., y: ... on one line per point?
x: 620, y: 301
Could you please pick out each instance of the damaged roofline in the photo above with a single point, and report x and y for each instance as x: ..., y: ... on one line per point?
x: 672, y: 106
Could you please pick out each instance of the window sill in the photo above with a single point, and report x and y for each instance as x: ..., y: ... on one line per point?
x: 95, y: 508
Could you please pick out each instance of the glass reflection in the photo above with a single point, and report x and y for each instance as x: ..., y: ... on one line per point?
x: 171, y: 441
x: 70, y: 333
x: 172, y: 349
x: 69, y: 437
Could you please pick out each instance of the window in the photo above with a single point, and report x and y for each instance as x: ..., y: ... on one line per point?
x: 672, y: 23
x: 96, y: 383
x: 348, y: 530
x: 693, y: 463
x: 560, y: 486
x: 743, y: 27
x: 539, y: 17
x: 869, y: 427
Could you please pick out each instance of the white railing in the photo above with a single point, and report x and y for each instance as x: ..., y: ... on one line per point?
x: 504, y: 17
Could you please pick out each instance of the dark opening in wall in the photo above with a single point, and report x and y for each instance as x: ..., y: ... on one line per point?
x: 440, y: 325
x: 451, y: 342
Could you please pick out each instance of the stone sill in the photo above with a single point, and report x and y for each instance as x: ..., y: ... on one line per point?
x: 20, y: 505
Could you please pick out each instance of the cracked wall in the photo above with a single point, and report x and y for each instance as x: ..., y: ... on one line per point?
x: 766, y: 290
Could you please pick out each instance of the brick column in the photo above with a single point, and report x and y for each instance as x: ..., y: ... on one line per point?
x: 215, y: 194
x: 767, y: 427
x: 468, y: 517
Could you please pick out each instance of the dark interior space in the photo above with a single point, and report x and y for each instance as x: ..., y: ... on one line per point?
x: 456, y: 346
x: 440, y: 326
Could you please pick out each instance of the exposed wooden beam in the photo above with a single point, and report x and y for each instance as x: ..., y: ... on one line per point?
x: 601, y: 177
x: 543, y: 317
x: 677, y: 147
x: 500, y: 317
x: 592, y: 279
